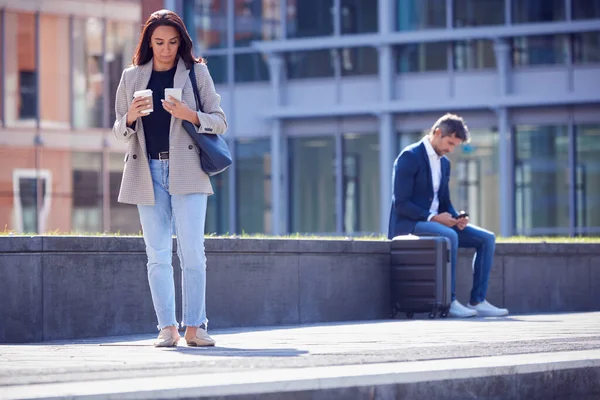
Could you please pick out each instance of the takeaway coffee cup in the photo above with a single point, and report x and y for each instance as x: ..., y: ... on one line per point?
x: 145, y: 93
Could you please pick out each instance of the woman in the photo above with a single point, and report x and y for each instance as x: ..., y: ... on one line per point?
x: 162, y: 173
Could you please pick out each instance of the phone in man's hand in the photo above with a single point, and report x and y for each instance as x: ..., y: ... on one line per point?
x: 462, y: 214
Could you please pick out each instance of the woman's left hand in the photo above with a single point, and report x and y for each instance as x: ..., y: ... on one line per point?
x: 178, y: 109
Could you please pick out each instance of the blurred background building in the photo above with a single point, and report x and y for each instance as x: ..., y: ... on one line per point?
x: 321, y: 95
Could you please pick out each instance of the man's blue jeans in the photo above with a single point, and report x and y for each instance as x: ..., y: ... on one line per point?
x: 484, y: 243
x: 187, y: 214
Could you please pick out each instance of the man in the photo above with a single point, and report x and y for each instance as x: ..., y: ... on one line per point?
x: 421, y: 206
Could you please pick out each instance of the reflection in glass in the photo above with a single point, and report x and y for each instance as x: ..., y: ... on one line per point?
x: 586, y: 9
x: 540, y: 50
x: 420, y: 14
x: 217, y: 213
x: 251, y: 67
x: 257, y: 20
x: 54, y: 72
x: 358, y: 16
x: 207, y: 23
x: 478, y: 12
x: 361, y: 186
x: 308, y: 18
x: 253, y: 169
x: 537, y: 11
x: 121, y: 38
x: 217, y: 65
x: 312, y: 184
x: 309, y: 64
x: 87, y: 192
x: 474, y: 54
x: 587, y: 186
x: 586, y: 47
x: 359, y: 61
x: 88, y: 74
x: 20, y: 78
x: 422, y: 57
x: 541, y: 180
x: 124, y: 218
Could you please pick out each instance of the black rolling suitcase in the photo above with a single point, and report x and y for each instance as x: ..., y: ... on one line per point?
x: 421, y: 275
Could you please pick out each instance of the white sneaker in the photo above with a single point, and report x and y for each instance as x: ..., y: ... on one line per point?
x: 485, y: 309
x: 457, y: 310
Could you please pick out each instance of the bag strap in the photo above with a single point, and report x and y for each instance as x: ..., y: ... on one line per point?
x: 195, y: 86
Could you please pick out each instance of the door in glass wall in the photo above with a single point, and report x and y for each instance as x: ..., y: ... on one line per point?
x: 312, y: 184
x: 87, y: 192
x: 587, y: 185
x: 20, y: 68
x: 217, y: 213
x: 541, y: 180
x: 361, y: 183
x: 253, y: 178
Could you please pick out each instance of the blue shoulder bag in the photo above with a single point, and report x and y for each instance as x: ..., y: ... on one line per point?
x: 214, y: 152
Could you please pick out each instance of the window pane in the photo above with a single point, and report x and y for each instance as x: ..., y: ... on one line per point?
x: 358, y: 16
x: 251, y: 68
x: 359, y: 61
x: 20, y: 88
x: 307, y: 18
x: 420, y: 14
x: 257, y: 20
x: 474, y: 54
x: 121, y: 40
x: 537, y: 11
x: 540, y: 50
x: 361, y: 186
x: 587, y: 186
x: 253, y: 169
x: 207, y: 23
x: 309, y: 64
x: 422, y: 57
x: 474, y: 185
x: 217, y: 213
x: 87, y: 192
x: 217, y: 65
x: 124, y: 218
x: 312, y: 185
x: 478, y: 12
x: 541, y: 180
x: 88, y: 76
x: 54, y: 72
x: 586, y: 9
x: 586, y: 47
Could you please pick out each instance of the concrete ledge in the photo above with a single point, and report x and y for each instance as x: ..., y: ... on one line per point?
x: 533, y: 376
x: 68, y: 287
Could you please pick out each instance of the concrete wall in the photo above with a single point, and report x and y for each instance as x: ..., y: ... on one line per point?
x: 71, y: 287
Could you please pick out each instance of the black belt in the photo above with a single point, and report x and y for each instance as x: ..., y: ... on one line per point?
x: 163, y: 155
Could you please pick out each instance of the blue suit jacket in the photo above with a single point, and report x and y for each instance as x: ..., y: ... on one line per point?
x: 413, y: 190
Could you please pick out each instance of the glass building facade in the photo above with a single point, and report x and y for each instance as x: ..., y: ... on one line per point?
x: 321, y: 96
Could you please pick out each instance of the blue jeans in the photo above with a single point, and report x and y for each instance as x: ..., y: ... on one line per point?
x: 186, y: 213
x: 484, y: 243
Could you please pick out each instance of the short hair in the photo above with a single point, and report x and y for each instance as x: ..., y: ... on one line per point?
x: 452, y: 124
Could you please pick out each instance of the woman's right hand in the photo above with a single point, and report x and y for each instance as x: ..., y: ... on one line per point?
x: 138, y: 105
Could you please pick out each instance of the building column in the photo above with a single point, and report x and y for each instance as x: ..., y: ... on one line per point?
x: 275, y: 62
x: 386, y: 159
x: 505, y: 159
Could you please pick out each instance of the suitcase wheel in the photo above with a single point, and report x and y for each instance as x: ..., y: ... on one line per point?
x: 409, y: 315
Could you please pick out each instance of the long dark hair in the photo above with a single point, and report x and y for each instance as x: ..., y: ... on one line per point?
x: 143, y: 52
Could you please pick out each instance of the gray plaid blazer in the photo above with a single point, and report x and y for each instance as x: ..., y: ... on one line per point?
x: 185, y: 174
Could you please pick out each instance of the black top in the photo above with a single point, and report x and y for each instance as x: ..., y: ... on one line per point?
x: 158, y: 122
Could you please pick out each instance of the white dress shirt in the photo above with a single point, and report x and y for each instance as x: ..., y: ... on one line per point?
x: 436, y: 177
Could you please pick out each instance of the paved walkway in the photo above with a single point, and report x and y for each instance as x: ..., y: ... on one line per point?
x: 283, y: 348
